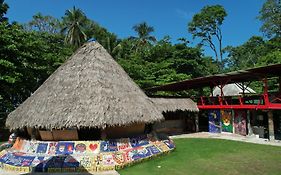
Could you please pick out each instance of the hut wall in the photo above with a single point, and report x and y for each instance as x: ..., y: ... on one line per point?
x: 124, y: 131
x: 170, y: 126
x: 176, y: 123
x: 58, y: 135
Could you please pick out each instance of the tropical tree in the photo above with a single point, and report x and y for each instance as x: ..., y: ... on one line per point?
x: 143, y: 31
x: 246, y: 55
x: 74, y: 23
x: 3, y: 10
x: 270, y: 15
x: 27, y: 58
x: 44, y: 23
x: 107, y: 39
x: 207, y: 25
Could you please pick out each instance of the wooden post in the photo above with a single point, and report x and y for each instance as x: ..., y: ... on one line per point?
x: 270, y: 125
x: 33, y: 134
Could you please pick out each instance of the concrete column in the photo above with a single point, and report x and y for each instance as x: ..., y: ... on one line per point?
x: 233, y: 128
x: 197, y: 122
x: 270, y: 126
x: 250, y: 130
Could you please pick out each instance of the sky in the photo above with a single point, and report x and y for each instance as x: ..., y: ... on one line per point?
x: 168, y: 17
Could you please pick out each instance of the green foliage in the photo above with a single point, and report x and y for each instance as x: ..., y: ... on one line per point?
x: 107, y: 39
x: 3, y: 10
x: 26, y: 60
x: 207, y: 25
x: 43, y: 23
x: 164, y: 63
x: 246, y: 55
x: 144, y: 38
x: 270, y: 15
x: 255, y: 52
x: 74, y: 23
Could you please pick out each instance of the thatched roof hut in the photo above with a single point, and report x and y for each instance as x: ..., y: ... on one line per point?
x: 88, y: 90
x: 174, y: 104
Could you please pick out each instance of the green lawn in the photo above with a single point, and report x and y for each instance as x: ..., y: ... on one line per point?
x: 212, y: 156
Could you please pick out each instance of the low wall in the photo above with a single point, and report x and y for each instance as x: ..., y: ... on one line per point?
x: 81, y: 156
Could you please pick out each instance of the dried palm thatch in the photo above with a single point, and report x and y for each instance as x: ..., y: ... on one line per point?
x: 88, y: 90
x: 174, y: 104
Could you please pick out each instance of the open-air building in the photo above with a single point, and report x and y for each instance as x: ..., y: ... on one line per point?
x: 245, y: 113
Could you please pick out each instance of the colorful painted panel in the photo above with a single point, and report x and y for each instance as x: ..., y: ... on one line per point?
x: 240, y: 122
x: 123, y: 144
x: 139, y: 141
x: 30, y: 147
x: 138, y: 153
x: 226, y: 121
x: 108, y: 146
x: 65, y: 148
x: 15, y: 160
x: 93, y: 147
x: 153, y: 149
x: 80, y: 147
x: 52, y: 148
x: 119, y: 158
x: 42, y: 148
x: 214, y: 121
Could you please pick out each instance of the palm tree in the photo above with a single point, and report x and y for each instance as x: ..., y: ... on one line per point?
x: 74, y: 23
x: 143, y: 31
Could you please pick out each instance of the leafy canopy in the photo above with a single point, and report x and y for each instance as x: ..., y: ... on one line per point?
x: 270, y: 15
x: 207, y: 24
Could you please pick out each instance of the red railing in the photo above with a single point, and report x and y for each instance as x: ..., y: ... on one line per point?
x: 238, y: 102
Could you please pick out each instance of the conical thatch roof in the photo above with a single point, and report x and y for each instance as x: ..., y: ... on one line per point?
x: 174, y: 104
x: 89, y: 90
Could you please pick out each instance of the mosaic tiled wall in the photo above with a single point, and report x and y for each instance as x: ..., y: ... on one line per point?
x: 214, y: 121
x: 226, y: 121
x: 240, y: 126
x: 78, y: 156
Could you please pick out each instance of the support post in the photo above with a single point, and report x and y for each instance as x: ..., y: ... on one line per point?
x: 279, y: 84
x: 270, y: 125
x: 265, y: 91
x: 196, y: 122
x: 250, y: 130
x: 33, y: 134
x: 232, y: 113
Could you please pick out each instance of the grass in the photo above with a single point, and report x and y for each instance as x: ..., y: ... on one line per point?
x: 212, y: 156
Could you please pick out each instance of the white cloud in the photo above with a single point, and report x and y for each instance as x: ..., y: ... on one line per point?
x: 183, y: 14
